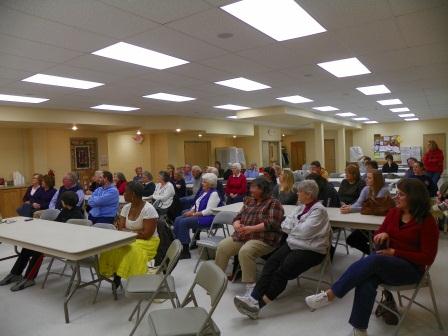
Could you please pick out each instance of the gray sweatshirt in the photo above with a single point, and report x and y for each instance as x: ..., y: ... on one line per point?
x: 311, y: 231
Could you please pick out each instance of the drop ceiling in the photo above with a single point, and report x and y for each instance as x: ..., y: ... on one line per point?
x: 404, y: 43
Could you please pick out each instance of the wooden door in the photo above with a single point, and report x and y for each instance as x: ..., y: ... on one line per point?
x: 439, y: 138
x: 298, y: 154
x: 197, y: 153
x: 330, y: 155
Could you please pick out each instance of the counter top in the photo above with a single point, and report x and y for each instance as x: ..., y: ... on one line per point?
x: 12, y: 187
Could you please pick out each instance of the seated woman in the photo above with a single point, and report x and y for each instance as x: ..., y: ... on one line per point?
x: 308, y: 230
x: 39, y: 198
x: 26, y: 209
x: 236, y: 187
x: 148, y: 185
x: 33, y: 259
x: 375, y: 187
x: 269, y: 174
x: 406, y: 243
x: 164, y: 193
x: 120, y: 182
x: 390, y: 166
x: 200, y: 215
x: 420, y: 174
x: 140, y: 217
x: 284, y: 191
x: 257, y: 231
x: 351, y: 186
x: 179, y: 184
x: 327, y: 193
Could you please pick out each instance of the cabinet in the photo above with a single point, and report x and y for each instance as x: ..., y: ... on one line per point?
x: 10, y: 200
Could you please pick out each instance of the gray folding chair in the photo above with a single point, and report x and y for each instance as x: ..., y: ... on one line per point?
x: 192, y: 320
x: 106, y: 226
x: 49, y: 214
x: 84, y: 222
x: 155, y: 286
x: 222, y: 220
x: 324, y: 266
x: 424, y: 282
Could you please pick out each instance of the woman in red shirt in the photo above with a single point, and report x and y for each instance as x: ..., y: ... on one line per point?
x: 405, y: 244
x: 120, y: 182
x: 236, y: 187
x: 433, y: 160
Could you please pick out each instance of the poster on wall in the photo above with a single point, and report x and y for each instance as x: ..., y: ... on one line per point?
x: 386, y: 144
x: 84, y: 154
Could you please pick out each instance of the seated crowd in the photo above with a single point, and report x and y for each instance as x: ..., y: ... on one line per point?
x: 404, y: 245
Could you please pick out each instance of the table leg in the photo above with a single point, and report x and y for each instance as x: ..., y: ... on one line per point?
x: 12, y: 256
x: 77, y: 271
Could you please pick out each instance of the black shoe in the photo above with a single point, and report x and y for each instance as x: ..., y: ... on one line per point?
x: 117, y: 281
x: 10, y: 278
x: 22, y: 285
x: 193, y: 246
x: 185, y: 254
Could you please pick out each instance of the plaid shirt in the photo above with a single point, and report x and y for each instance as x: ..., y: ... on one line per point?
x: 268, y: 211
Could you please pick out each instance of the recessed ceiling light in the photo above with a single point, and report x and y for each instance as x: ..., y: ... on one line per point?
x: 345, y: 67
x: 232, y: 107
x: 61, y: 81
x: 280, y: 19
x: 22, y: 99
x: 283, y: 135
x: 169, y: 97
x: 374, y: 89
x: 400, y: 109
x: 178, y: 130
x: 234, y: 136
x: 232, y: 117
x: 389, y: 102
x: 200, y: 135
x: 74, y: 128
x: 130, y: 53
x: 371, y: 122
x: 346, y: 114
x: 139, y: 132
x: 325, y: 108
x: 115, y: 107
x: 406, y: 115
x: 295, y: 99
x: 244, y: 84
x: 360, y: 119
x: 411, y: 119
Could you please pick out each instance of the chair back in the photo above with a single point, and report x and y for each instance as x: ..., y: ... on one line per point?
x: 223, y: 217
x: 171, y: 258
x: 84, y: 222
x: 107, y: 226
x: 211, y: 278
x: 50, y: 214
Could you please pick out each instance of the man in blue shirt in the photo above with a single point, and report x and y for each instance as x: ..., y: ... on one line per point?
x: 188, y: 176
x: 104, y: 201
x: 252, y: 172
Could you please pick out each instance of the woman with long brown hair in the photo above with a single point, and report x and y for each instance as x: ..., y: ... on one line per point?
x: 284, y: 191
x: 433, y: 160
x: 352, y: 185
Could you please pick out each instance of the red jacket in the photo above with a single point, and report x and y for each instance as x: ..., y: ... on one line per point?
x: 236, y: 185
x: 121, y: 186
x: 415, y: 242
x: 433, y: 161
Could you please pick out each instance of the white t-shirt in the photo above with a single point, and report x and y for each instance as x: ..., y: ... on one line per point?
x: 147, y: 212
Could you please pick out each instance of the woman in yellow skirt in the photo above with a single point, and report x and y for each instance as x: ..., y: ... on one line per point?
x: 140, y: 217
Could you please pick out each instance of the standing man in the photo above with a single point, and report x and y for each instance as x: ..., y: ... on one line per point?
x: 104, y: 201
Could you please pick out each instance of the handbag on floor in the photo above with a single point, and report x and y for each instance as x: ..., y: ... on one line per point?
x: 378, y: 206
x: 388, y: 300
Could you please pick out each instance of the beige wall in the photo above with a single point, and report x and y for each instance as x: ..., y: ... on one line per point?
x: 14, y: 152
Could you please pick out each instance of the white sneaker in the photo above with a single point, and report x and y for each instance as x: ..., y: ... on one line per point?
x: 359, y: 332
x: 317, y: 301
x: 249, y: 290
x: 247, y: 305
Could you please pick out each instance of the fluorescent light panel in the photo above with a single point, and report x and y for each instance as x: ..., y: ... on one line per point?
x: 115, y: 107
x: 400, y: 109
x: 373, y: 90
x: 371, y: 122
x: 325, y: 108
x: 22, y: 99
x: 346, y: 114
x: 295, y: 99
x: 280, y: 19
x: 61, y: 81
x: 232, y: 107
x: 345, y: 67
x: 406, y: 115
x: 242, y: 83
x: 360, y: 119
x: 130, y: 53
x: 168, y: 97
x: 389, y: 102
x: 232, y: 117
x: 411, y: 119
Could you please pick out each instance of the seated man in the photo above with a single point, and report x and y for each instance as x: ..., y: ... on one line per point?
x: 69, y: 199
x: 420, y: 174
x: 252, y: 171
x: 308, y: 230
x: 138, y: 174
x: 148, y: 185
x: 188, y: 175
x: 188, y: 201
x: 316, y: 168
x: 69, y: 183
x: 104, y: 201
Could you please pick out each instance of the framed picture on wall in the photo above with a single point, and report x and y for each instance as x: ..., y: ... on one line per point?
x: 84, y: 154
x: 82, y: 157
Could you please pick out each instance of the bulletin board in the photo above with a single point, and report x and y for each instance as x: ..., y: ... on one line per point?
x: 386, y: 144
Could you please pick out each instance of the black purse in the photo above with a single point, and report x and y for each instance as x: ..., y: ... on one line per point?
x: 387, y: 299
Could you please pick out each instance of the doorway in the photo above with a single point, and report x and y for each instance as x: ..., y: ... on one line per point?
x: 270, y: 153
x: 298, y: 154
x: 330, y: 155
x: 197, y: 153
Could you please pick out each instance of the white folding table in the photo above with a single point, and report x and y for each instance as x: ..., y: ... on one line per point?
x: 63, y: 240
x: 121, y: 198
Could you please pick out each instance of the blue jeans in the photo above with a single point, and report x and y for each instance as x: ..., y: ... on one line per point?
x: 182, y: 226
x: 95, y: 220
x: 187, y: 202
x: 365, y: 275
x: 434, y: 176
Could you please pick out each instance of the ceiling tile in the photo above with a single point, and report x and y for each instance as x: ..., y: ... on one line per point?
x: 401, y: 7
x: 23, y: 63
x: 234, y: 64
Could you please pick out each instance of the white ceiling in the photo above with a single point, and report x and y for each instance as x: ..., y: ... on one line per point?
x: 403, y: 42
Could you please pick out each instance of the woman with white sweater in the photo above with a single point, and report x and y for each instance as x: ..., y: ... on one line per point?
x: 164, y: 193
x: 308, y: 240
